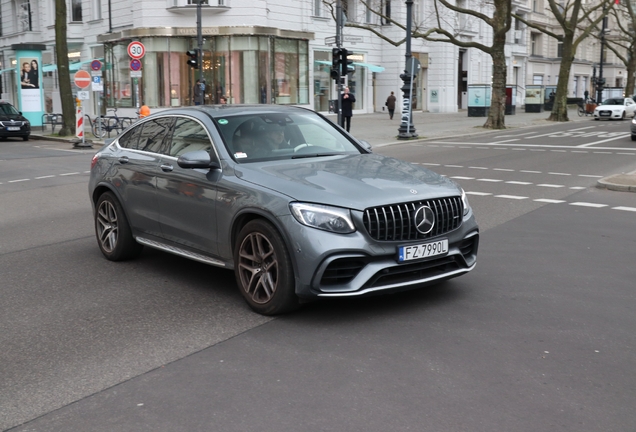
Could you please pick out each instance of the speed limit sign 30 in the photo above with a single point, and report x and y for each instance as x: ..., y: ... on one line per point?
x: 136, y: 50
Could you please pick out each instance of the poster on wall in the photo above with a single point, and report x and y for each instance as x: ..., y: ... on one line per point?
x: 30, y: 94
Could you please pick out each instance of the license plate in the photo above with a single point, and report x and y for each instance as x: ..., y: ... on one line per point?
x: 13, y: 128
x: 424, y: 250
x: 606, y: 114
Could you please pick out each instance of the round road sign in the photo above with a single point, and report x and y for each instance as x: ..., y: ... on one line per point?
x: 96, y: 65
x: 82, y: 79
x: 135, y: 65
x: 136, y: 50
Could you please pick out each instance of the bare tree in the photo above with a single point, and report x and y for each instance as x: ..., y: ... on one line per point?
x: 500, y: 22
x: 623, y: 42
x: 570, y: 18
x: 63, y: 72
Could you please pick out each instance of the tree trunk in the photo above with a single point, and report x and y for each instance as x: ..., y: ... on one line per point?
x: 560, y: 107
x: 500, y: 25
x: 63, y: 73
x: 631, y: 70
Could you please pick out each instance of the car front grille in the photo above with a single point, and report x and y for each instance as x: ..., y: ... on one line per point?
x: 395, y: 222
x: 12, y: 124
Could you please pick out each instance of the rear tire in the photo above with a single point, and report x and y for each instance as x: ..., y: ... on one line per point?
x: 25, y: 138
x: 263, y: 269
x: 633, y: 137
x: 113, y: 232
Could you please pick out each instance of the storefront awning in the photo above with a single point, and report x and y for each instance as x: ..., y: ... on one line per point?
x: 372, y: 68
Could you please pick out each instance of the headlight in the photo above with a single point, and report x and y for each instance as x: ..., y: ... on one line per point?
x: 465, y: 203
x: 334, y: 219
x: 634, y: 120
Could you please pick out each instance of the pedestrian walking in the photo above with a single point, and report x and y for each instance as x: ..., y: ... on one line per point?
x: 348, y: 100
x: 198, y: 92
x: 390, y: 105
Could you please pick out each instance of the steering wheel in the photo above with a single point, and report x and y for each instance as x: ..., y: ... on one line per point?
x: 298, y: 147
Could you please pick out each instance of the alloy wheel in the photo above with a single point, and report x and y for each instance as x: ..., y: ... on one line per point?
x: 107, y: 226
x: 258, y: 267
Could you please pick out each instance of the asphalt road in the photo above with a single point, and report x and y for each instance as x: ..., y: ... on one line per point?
x: 538, y: 337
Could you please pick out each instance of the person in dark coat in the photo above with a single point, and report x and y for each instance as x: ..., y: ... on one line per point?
x: 347, y: 108
x: 390, y: 105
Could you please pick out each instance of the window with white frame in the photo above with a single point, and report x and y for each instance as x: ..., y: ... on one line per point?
x: 537, y: 79
x: 23, y: 15
x: 318, y: 8
x: 76, y: 10
x: 535, y: 44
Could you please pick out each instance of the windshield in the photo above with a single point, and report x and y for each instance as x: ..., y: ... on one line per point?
x: 267, y: 136
x: 8, y: 109
x: 614, y: 102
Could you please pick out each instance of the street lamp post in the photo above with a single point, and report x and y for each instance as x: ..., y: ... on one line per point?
x: 406, y: 129
x: 600, y: 82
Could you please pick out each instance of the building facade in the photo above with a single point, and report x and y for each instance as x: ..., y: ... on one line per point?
x: 273, y: 52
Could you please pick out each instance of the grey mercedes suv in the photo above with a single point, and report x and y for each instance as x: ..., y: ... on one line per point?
x: 289, y: 201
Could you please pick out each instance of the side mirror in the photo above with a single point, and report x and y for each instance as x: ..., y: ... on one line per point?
x: 197, y: 159
x: 366, y: 146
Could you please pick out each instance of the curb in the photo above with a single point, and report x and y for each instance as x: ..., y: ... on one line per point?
x: 618, y: 182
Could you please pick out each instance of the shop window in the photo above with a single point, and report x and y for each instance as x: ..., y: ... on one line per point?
x: 290, y: 72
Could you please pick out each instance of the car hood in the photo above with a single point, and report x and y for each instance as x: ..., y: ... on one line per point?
x: 9, y: 117
x: 353, y: 181
x: 610, y: 106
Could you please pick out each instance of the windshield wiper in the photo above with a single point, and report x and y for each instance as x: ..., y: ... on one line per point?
x: 310, y: 155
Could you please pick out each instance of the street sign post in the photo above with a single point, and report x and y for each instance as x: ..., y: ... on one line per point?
x: 82, y: 79
x: 96, y: 65
x: 136, y: 50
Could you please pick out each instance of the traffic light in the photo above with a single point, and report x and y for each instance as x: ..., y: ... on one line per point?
x: 335, y: 63
x: 345, y: 62
x: 193, y: 60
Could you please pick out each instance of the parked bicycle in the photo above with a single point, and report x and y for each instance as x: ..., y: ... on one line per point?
x: 103, y: 125
x: 586, y: 108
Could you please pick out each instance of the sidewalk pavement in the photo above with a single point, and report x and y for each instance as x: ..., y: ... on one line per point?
x: 380, y: 131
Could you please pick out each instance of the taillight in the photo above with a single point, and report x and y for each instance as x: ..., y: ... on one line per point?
x: 94, y: 161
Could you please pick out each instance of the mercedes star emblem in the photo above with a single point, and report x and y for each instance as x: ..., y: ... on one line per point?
x: 424, y: 220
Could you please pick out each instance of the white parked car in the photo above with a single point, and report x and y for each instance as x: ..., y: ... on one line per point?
x: 615, y: 108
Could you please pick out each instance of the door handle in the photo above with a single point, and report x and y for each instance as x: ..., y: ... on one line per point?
x: 123, y: 160
x: 166, y: 168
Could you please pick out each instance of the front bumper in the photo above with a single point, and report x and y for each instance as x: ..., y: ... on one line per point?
x: 332, y: 265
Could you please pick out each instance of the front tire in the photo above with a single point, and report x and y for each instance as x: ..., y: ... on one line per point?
x: 263, y: 269
x: 633, y: 137
x: 113, y: 232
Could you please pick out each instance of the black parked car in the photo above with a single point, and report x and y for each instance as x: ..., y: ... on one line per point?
x: 12, y: 123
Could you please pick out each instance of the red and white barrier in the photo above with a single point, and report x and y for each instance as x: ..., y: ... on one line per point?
x: 79, y: 123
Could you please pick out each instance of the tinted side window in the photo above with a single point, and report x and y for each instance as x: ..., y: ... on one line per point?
x: 130, y: 139
x: 188, y: 135
x: 153, y: 134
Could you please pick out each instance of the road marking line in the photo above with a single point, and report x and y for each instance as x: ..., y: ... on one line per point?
x: 483, y: 148
x: 454, y: 166
x: 632, y: 209
x: 561, y: 174
x: 517, y: 135
x: 603, y: 141
x: 515, y: 197
x: 500, y: 148
x: 432, y: 145
x: 68, y: 174
x: 531, y: 172
x: 631, y: 154
x: 43, y: 177
x: 558, y: 151
x: 504, y: 141
x: 17, y: 181
x: 587, y: 204
x: 479, y: 193
x: 490, y: 180
x: 537, y: 150
x: 503, y: 169
x: 550, y: 201
x: 591, y: 176
x: 579, y: 151
x: 481, y: 168
x: 518, y: 182
x: 602, y: 152
x: 519, y: 149
x: 578, y: 187
x: 463, y: 178
x: 550, y: 185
